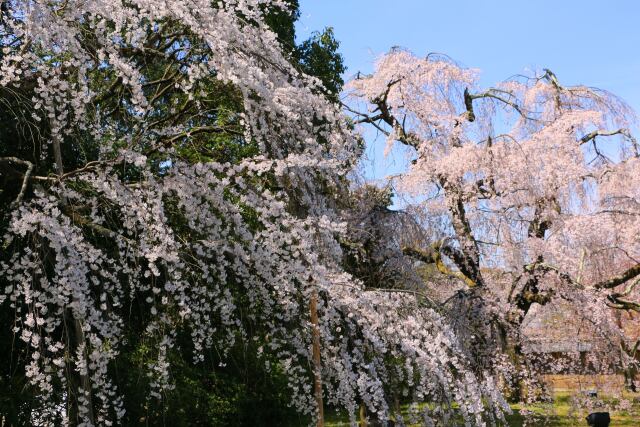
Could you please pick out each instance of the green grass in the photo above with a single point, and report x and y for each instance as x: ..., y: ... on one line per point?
x: 559, y: 413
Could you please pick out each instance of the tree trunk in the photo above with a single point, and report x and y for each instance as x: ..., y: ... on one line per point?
x: 317, y: 365
x: 630, y: 373
x: 85, y: 381
x: 79, y: 338
x: 363, y: 416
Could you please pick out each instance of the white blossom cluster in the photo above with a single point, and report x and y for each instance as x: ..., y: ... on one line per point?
x: 533, y: 186
x: 243, y: 244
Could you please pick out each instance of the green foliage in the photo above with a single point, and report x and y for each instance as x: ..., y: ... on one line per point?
x: 283, y: 24
x: 240, y: 391
x: 319, y: 56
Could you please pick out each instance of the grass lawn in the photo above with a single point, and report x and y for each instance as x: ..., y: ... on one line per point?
x: 561, y: 413
x: 558, y: 413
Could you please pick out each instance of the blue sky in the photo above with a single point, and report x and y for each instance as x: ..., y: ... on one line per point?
x: 590, y: 42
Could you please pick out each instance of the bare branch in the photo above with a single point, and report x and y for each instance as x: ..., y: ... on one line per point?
x: 622, y: 131
x: 493, y: 94
x: 25, y: 179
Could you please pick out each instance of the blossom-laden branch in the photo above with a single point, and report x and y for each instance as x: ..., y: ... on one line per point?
x: 195, y: 170
x: 533, y: 192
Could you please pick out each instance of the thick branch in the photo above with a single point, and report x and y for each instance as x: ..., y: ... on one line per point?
x: 434, y: 256
x: 493, y: 94
x: 622, y: 131
x: 428, y: 257
x: 467, y: 258
x: 628, y: 274
x: 539, y: 224
x: 622, y: 304
x: 81, y: 221
x: 385, y: 114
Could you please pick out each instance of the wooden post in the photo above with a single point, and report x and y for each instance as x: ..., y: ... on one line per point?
x: 317, y: 365
x: 363, y: 416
